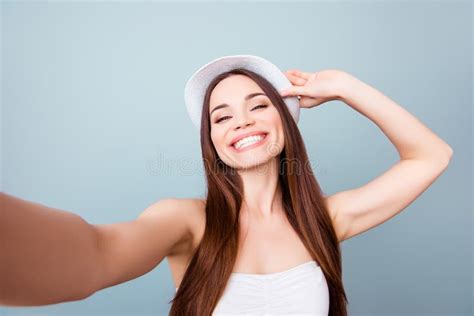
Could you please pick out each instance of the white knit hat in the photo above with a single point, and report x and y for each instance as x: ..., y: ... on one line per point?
x: 197, y: 85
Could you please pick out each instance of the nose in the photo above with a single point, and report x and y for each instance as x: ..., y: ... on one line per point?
x: 244, y: 122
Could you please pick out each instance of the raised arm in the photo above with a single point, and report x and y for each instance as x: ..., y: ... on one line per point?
x: 424, y: 156
x: 50, y: 256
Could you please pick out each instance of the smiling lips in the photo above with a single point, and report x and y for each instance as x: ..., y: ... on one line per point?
x: 249, y: 142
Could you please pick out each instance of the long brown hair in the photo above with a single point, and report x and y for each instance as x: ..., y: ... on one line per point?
x: 213, y: 260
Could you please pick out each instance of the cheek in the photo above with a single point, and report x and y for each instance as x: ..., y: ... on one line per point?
x: 274, y: 117
x: 279, y: 129
x: 275, y: 121
x: 218, y: 141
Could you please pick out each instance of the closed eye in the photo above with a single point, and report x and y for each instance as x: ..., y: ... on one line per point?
x: 256, y: 107
x: 221, y: 119
x: 263, y: 105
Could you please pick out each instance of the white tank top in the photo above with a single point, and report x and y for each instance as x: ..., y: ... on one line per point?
x: 298, y: 291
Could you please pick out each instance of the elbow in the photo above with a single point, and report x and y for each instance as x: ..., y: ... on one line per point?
x: 444, y: 158
x: 441, y: 158
x: 77, y: 296
x: 72, y: 298
x: 81, y: 297
x: 448, y: 154
x: 442, y: 154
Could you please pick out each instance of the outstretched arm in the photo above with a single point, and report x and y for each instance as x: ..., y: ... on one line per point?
x: 47, y: 255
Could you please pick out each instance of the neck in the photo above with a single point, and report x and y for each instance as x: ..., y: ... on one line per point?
x: 262, y: 191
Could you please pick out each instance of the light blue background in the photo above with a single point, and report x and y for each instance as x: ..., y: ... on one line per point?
x: 93, y: 122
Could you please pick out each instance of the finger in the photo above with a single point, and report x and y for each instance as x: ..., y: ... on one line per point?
x: 293, y: 91
x: 296, y: 80
x: 306, y: 102
x: 298, y: 73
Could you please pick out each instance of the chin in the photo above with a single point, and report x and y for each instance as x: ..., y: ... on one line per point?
x: 253, y: 162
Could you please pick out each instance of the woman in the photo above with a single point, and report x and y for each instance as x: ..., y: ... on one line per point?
x: 265, y: 239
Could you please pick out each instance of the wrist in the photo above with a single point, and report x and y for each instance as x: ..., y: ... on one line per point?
x: 345, y: 84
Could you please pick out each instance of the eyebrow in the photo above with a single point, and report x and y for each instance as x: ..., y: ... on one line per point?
x: 248, y: 97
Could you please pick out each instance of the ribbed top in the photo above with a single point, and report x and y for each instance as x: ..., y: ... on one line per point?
x: 301, y: 290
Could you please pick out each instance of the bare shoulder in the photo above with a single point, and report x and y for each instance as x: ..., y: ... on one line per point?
x: 330, y: 202
x: 332, y: 205
x: 196, y: 218
x: 189, y: 211
x: 130, y: 249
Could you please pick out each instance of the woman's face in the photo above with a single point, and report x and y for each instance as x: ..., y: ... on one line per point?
x: 238, y: 107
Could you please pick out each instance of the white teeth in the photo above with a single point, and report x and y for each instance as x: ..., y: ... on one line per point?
x: 247, y: 141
